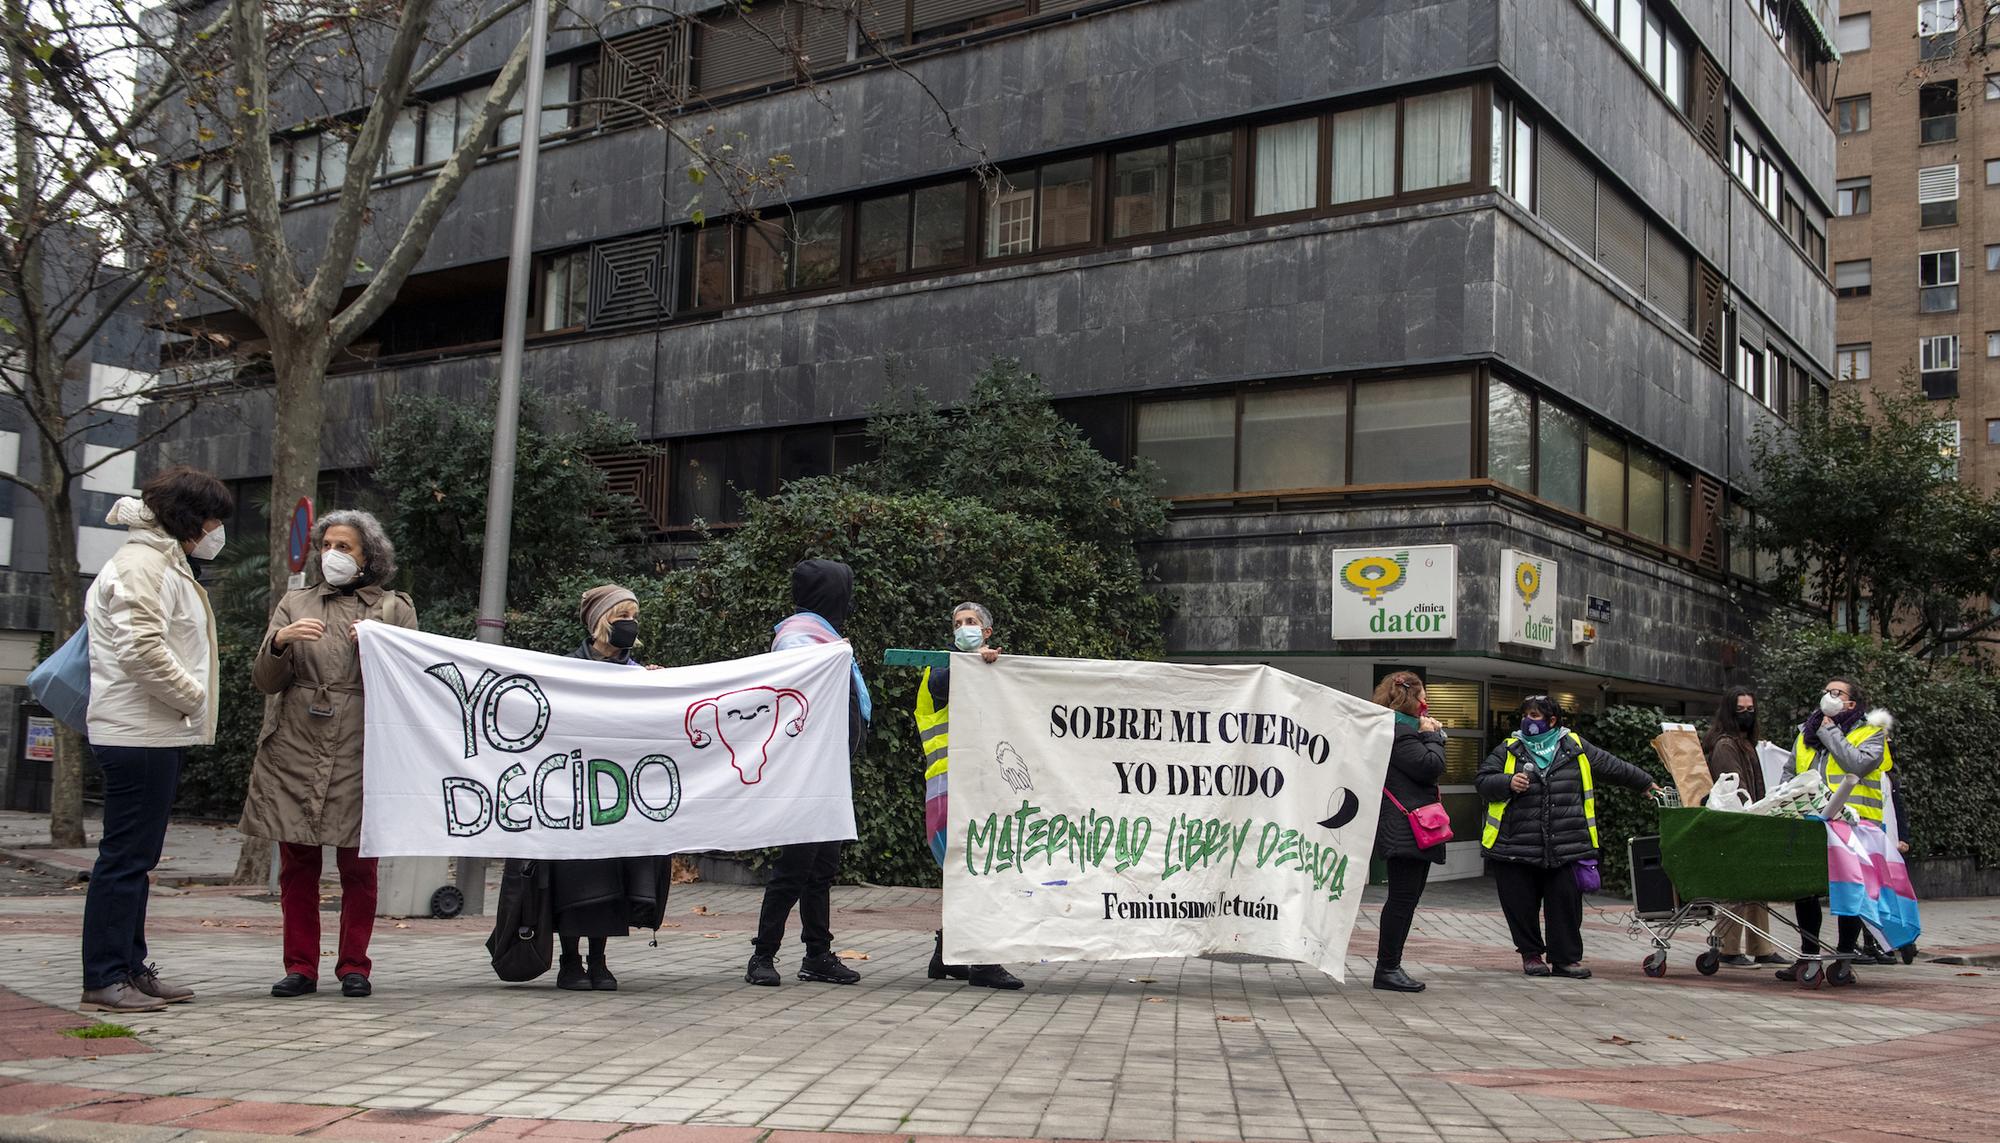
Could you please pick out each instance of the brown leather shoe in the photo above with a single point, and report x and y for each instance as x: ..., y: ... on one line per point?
x: 147, y: 980
x: 119, y: 997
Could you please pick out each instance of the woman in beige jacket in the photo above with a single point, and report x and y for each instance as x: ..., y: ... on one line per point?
x: 305, y: 787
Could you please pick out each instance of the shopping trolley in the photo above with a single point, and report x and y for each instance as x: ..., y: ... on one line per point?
x: 1704, y: 865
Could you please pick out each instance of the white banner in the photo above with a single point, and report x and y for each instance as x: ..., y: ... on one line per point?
x: 1102, y: 811
x: 479, y: 750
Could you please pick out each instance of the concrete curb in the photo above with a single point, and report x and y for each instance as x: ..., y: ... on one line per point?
x: 42, y: 862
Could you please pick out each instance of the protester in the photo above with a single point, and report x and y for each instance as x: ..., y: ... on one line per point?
x: 822, y: 598
x: 1416, y: 762
x: 152, y: 695
x: 598, y: 898
x: 305, y: 785
x: 971, y: 630
x: 1541, y: 832
x: 1837, y: 741
x: 1731, y: 748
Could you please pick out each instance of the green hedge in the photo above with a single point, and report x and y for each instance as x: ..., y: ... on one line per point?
x: 1622, y: 814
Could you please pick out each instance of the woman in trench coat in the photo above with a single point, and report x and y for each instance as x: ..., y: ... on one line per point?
x: 305, y: 786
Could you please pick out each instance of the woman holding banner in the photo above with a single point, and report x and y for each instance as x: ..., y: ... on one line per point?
x: 1416, y: 762
x: 603, y: 897
x: 1541, y: 832
x: 305, y: 785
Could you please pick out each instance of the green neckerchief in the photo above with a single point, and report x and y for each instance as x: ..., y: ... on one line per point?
x: 1542, y: 747
x: 1405, y: 719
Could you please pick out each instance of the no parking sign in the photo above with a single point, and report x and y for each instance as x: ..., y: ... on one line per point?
x: 298, y: 544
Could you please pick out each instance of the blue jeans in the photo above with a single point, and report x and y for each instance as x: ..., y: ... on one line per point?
x: 139, y: 787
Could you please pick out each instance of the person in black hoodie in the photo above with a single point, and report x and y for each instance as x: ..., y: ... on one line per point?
x: 822, y: 598
x: 1540, y: 824
x: 1416, y: 762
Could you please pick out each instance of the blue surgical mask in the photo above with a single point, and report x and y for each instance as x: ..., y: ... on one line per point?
x: 1534, y: 727
x: 968, y: 637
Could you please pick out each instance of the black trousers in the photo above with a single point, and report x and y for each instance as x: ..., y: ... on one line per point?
x: 139, y: 787
x: 1407, y: 876
x: 803, y: 876
x: 1810, y: 916
x: 1526, y: 892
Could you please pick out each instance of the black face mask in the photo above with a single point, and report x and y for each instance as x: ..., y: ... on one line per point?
x: 1746, y: 720
x: 624, y: 633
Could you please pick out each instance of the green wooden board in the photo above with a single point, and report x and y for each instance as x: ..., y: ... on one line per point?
x: 905, y: 657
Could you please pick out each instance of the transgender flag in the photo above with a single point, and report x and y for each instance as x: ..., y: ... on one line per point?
x: 1867, y: 879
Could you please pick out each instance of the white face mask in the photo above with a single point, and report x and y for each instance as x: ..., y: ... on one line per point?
x: 1831, y: 704
x: 339, y: 568
x: 968, y: 637
x: 210, y: 545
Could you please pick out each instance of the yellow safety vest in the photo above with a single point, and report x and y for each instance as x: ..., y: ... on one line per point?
x: 933, y: 728
x: 1496, y: 810
x: 1867, y: 795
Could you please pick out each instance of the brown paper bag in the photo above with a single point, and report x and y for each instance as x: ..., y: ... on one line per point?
x: 1680, y: 751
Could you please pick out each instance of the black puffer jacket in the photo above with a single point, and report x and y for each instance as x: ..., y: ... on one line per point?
x: 1416, y: 762
x: 1544, y: 824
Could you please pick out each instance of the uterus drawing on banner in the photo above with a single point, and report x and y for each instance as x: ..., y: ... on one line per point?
x: 746, y: 723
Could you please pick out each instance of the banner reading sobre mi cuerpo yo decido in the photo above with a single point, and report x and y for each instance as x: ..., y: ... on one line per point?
x: 486, y: 751
x: 1105, y: 811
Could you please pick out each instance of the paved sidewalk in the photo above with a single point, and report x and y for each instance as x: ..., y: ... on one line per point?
x: 1144, y: 1050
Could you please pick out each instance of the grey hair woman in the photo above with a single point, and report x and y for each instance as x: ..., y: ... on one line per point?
x: 305, y: 786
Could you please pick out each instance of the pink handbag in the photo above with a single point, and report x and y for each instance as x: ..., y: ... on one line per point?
x: 1431, y: 825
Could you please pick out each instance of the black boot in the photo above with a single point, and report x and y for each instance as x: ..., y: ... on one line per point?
x: 570, y: 974
x: 826, y: 968
x: 761, y: 971
x: 991, y: 976
x: 1396, y: 980
x: 601, y: 979
x: 939, y: 969
x: 294, y: 984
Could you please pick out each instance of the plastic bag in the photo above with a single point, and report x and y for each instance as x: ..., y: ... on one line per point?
x: 1728, y: 795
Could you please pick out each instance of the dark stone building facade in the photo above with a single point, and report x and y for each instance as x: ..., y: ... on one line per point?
x: 1356, y: 274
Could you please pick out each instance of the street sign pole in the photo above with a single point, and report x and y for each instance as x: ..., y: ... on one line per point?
x: 507, y: 417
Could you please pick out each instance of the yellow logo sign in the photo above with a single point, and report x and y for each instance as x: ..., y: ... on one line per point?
x: 1371, y: 576
x: 1528, y: 581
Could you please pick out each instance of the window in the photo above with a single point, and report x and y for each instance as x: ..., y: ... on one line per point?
x: 405, y: 138
x: 1993, y: 343
x: 565, y: 290
x: 799, y: 252
x: 1937, y: 195
x: 1936, y: 17
x: 1293, y: 438
x: 1139, y: 191
x: 446, y: 120
x: 1203, y: 174
x: 1513, y: 145
x: 1993, y: 431
x: 1851, y: 197
x: 1631, y: 27
x: 920, y: 230
x: 1604, y: 478
x: 1853, y: 279
x: 1750, y: 370
x: 1646, y: 496
x: 1287, y: 173
x: 1192, y: 444
x: 1851, y: 115
x: 1559, y: 436
x: 1992, y: 258
x: 1437, y: 140
x: 1364, y: 154
x: 1852, y: 34
x: 1937, y: 112
x: 1850, y: 362
x: 1937, y: 281
x: 1993, y: 172
x: 1992, y: 87
x: 1041, y: 208
x: 555, y: 110
x: 1947, y: 433
x: 705, y: 267
x: 1937, y: 364
x: 1390, y: 415
x: 1510, y: 424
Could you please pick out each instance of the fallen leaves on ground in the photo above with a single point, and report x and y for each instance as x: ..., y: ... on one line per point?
x: 1618, y: 1041
x: 711, y: 936
x: 853, y: 954
x: 700, y: 910
x: 1155, y: 1000
x: 402, y: 924
x: 1142, y: 980
x: 1236, y: 1019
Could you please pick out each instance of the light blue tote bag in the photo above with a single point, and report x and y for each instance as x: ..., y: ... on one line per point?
x: 61, y: 682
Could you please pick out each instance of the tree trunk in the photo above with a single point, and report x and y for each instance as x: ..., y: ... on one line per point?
x: 299, y: 361
x: 66, y: 612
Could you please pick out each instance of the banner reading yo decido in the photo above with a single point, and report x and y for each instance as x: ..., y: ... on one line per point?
x: 1102, y: 811
x: 486, y: 751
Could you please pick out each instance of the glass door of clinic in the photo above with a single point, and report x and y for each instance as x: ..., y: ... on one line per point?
x: 1459, y: 705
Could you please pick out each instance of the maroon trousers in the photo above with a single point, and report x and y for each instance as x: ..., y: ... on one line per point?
x: 298, y: 900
